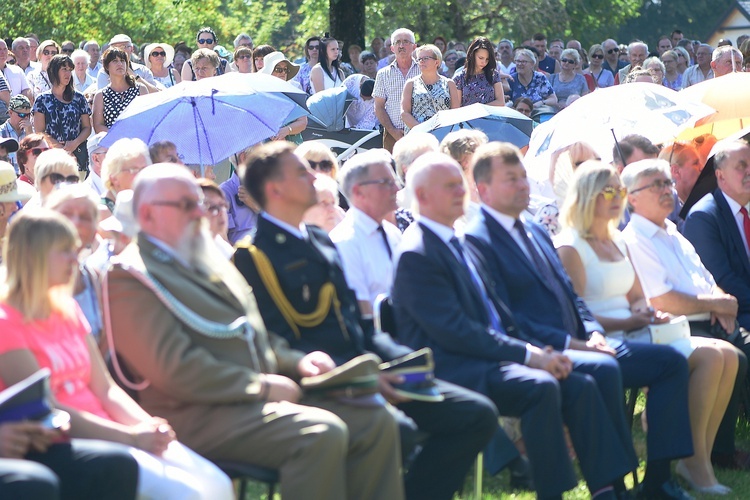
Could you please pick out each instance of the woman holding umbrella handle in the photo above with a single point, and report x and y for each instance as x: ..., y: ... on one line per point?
x: 276, y: 64
x: 123, y: 88
x: 430, y: 92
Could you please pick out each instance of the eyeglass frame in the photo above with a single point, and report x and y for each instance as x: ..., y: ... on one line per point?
x: 322, y: 164
x: 57, y: 178
x: 184, y: 205
x: 206, y: 41
x: 381, y: 183
x: 656, y: 186
x: 609, y: 192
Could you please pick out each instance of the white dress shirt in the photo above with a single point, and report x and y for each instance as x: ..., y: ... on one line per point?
x: 367, y: 266
x: 665, y: 261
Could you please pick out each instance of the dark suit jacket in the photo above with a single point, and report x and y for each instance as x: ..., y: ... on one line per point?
x: 437, y: 305
x: 535, y: 307
x: 711, y: 229
x: 302, y: 268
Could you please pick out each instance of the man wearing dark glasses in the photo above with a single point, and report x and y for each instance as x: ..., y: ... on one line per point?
x: 612, y: 57
x: 18, y: 125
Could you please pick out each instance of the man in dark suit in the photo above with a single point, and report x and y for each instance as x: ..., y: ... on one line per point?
x: 441, y: 302
x: 302, y: 293
x: 718, y: 227
x: 529, y: 276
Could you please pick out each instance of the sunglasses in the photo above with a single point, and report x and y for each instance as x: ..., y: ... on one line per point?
x: 597, y: 56
x: 203, y: 41
x: 67, y: 51
x: 313, y: 47
x: 245, y: 56
x: 50, y: 52
x: 569, y: 61
x: 38, y: 151
x: 613, y: 51
x: 323, y: 165
x: 56, y: 178
x: 159, y: 53
x: 184, y: 205
x: 281, y: 69
x: 610, y: 192
x: 21, y: 115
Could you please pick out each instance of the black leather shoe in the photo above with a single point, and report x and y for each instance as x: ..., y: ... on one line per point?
x: 520, y: 475
x: 667, y: 491
x: 739, y: 460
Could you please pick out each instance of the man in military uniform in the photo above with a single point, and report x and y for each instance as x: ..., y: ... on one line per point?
x: 187, y: 326
x: 297, y: 278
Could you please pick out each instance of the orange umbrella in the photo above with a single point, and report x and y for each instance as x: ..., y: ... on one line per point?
x: 729, y: 96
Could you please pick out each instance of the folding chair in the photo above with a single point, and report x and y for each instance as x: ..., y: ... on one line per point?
x: 245, y: 473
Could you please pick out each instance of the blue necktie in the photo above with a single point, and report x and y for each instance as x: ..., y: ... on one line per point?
x: 492, y: 313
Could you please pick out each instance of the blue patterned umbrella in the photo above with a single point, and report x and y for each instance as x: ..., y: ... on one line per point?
x: 208, y: 120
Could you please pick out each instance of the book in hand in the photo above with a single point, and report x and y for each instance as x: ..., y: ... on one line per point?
x: 417, y: 369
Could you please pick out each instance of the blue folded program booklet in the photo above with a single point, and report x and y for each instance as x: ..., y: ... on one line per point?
x: 31, y: 399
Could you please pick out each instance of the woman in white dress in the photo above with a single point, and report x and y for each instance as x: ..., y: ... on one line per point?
x: 327, y: 74
x: 596, y: 258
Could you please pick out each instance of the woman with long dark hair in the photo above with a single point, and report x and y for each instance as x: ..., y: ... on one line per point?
x: 62, y: 113
x: 122, y: 89
x: 327, y: 73
x: 479, y: 80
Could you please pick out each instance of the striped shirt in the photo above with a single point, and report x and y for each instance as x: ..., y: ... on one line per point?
x: 389, y: 85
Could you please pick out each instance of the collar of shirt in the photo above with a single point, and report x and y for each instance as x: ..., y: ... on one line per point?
x: 648, y: 228
x: 504, y: 220
x: 168, y: 250
x: 367, y: 224
x: 299, y: 232
x: 733, y: 205
x: 443, y: 232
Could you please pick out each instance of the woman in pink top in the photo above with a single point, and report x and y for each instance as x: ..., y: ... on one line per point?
x: 42, y: 326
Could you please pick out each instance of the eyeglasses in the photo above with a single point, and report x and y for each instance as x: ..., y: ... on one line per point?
x: 38, y: 151
x: 569, y: 61
x: 403, y: 42
x: 597, y: 56
x: 203, y: 41
x: 389, y: 183
x: 21, y: 115
x: 323, y: 165
x: 50, y: 52
x: 56, y: 178
x: 159, y: 53
x: 522, y: 61
x: 281, y: 69
x: 215, y: 210
x: 183, y: 205
x: 656, y: 186
x: 613, y: 51
x: 423, y: 59
x: 609, y: 192
x: 245, y: 56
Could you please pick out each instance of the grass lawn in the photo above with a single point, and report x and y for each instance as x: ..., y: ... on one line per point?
x: 496, y: 488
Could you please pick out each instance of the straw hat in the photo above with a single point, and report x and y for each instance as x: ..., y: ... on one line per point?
x: 271, y: 60
x: 9, y: 185
x: 167, y: 48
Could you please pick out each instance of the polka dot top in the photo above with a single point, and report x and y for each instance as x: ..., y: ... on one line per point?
x: 116, y: 102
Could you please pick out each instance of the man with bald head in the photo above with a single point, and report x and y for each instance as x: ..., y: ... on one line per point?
x: 441, y: 301
x: 612, y: 60
x: 725, y: 60
x: 187, y: 327
x: 637, y: 53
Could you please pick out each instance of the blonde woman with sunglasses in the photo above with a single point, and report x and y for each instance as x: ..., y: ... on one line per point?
x: 596, y: 259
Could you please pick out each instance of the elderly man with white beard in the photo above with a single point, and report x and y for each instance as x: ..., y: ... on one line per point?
x: 186, y: 325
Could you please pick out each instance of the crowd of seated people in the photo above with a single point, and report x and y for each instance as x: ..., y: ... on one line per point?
x: 182, y: 317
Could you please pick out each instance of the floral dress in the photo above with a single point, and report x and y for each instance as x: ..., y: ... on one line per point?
x: 62, y: 119
x: 427, y: 100
x: 116, y: 102
x: 476, y: 88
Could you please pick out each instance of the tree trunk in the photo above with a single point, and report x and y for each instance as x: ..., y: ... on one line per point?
x: 347, y: 22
